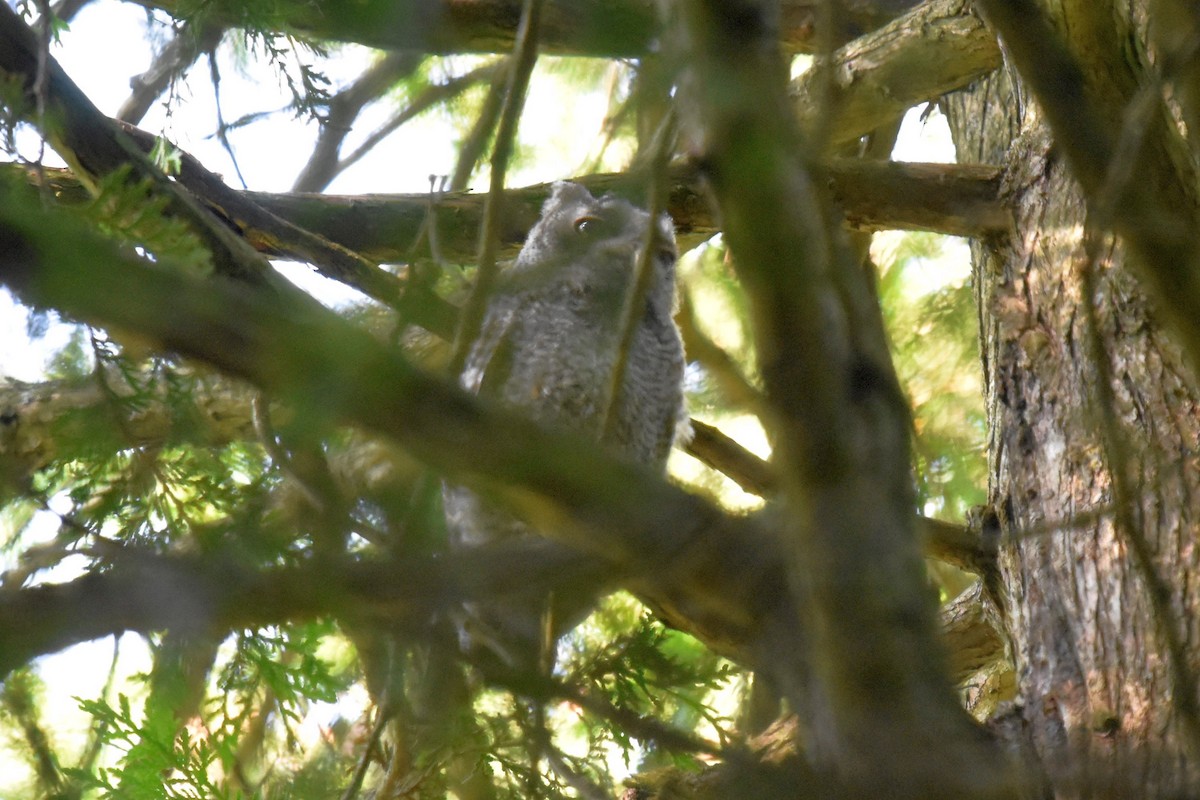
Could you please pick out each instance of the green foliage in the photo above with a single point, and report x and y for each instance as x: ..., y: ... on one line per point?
x: 134, y: 214
x: 935, y: 350
x: 20, y: 698
x: 166, y: 156
x: 260, y: 675
x: 31, y: 12
x: 283, y: 661
x: 624, y: 655
x: 260, y: 21
x: 15, y: 106
x: 293, y: 59
x: 73, y: 361
x: 163, y: 761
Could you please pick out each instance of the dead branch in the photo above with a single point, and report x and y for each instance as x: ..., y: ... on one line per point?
x: 344, y: 108
x: 169, y: 65
x: 938, y: 46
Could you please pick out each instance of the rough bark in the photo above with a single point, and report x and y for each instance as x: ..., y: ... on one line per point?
x: 936, y: 47
x: 1100, y: 690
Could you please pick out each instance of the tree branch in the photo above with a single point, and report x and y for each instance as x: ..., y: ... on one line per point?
x: 935, y: 48
x: 840, y: 431
x: 344, y: 108
x: 169, y: 65
x: 39, y: 421
x: 145, y: 592
x: 517, y: 77
x: 958, y: 199
x: 611, y: 28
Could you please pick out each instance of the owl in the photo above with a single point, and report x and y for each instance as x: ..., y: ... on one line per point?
x: 550, y: 341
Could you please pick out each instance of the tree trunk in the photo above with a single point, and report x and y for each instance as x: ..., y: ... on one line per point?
x: 1093, y: 465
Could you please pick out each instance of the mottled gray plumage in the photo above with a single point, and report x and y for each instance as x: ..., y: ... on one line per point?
x: 551, y: 335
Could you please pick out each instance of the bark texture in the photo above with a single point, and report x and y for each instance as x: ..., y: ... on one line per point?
x: 1102, y: 697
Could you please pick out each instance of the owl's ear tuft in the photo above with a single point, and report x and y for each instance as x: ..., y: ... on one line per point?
x: 568, y: 191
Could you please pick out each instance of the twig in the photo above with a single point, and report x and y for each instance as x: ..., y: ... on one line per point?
x: 222, y: 132
x: 344, y: 108
x: 171, y: 62
x: 546, y: 687
x: 273, y: 447
x: 383, y: 716
x: 16, y: 696
x: 712, y: 447
x: 525, y: 56
x: 432, y: 95
x: 576, y: 780
x: 634, y: 309
x: 719, y: 364
x: 95, y: 743
x: 471, y: 149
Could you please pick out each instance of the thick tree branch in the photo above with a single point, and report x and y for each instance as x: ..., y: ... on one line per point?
x: 38, y: 423
x: 935, y: 48
x: 217, y: 593
x: 972, y: 629
x: 840, y: 430
x: 610, y: 28
x: 958, y: 199
x: 146, y: 593
x: 955, y: 199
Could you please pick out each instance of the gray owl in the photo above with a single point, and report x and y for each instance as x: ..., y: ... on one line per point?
x: 550, y: 340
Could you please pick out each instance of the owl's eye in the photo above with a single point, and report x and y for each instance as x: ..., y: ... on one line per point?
x: 588, y: 225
